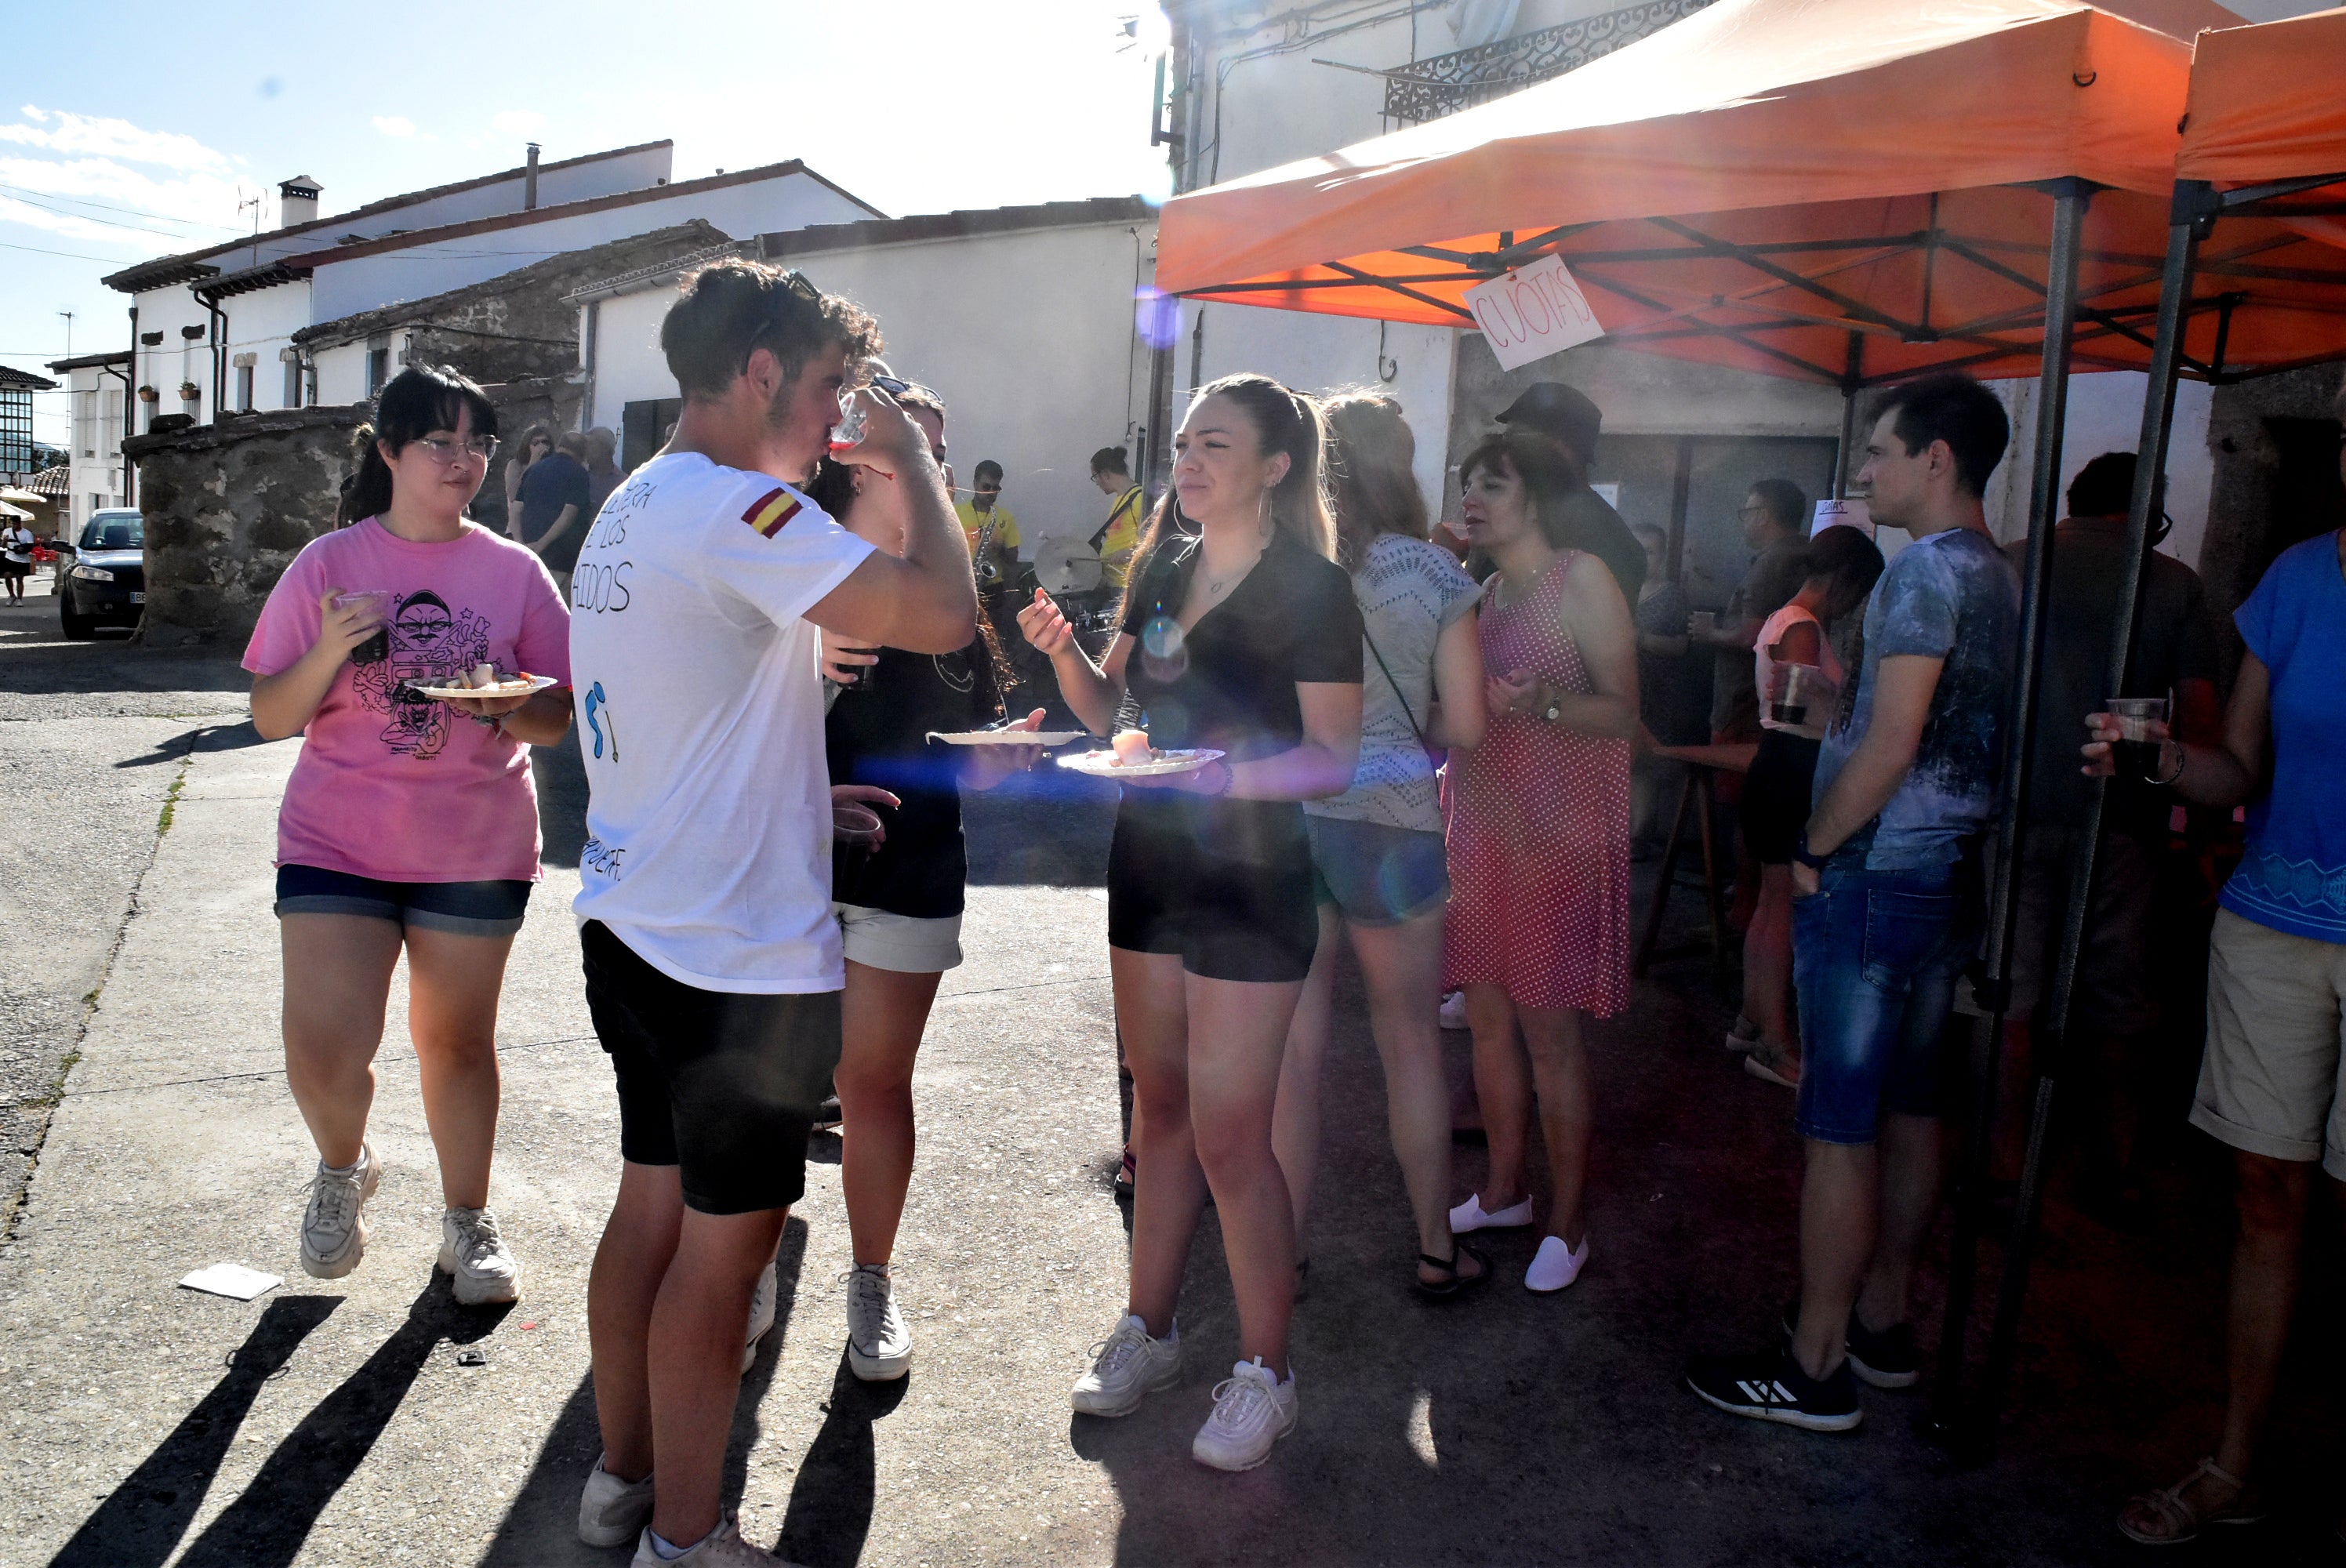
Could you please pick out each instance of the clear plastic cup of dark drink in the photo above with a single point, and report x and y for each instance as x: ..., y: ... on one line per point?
x: 855, y: 825
x: 376, y: 648
x: 2135, y: 753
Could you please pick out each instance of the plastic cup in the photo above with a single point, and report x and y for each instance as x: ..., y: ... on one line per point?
x: 2135, y: 752
x: 376, y: 648
x: 854, y: 824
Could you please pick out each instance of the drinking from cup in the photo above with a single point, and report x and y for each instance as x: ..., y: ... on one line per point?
x: 2135, y: 752
x: 852, y: 422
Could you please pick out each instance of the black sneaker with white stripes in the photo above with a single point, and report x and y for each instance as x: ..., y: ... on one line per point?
x: 1769, y: 1386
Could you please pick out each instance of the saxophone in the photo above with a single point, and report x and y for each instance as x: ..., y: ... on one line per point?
x: 989, y: 567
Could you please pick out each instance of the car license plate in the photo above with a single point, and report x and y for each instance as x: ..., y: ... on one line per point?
x: 138, y: 598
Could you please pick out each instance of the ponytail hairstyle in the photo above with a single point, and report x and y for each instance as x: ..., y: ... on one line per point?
x: 418, y: 401
x: 1369, y: 453
x: 1284, y: 421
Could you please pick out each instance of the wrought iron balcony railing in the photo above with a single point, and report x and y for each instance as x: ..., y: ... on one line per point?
x: 1443, y: 84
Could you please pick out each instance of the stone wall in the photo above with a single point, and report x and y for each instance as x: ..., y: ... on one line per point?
x: 2266, y: 497
x: 227, y: 507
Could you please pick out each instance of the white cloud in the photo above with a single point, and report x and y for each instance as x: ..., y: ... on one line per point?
x: 518, y: 122
x: 30, y: 113
x: 98, y: 198
x: 95, y: 135
x: 394, y: 125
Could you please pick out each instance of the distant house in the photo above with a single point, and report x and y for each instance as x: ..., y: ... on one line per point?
x: 99, y: 386
x: 16, y: 390
x: 1022, y: 317
x: 215, y: 328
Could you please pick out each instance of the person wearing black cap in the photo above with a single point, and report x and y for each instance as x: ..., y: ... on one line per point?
x: 1567, y: 416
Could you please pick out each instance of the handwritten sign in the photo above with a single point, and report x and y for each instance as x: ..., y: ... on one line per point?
x: 1532, y: 314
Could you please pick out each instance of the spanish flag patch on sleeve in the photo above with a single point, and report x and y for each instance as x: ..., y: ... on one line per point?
x: 771, y: 513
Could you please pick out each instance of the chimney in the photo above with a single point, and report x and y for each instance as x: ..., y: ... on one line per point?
x: 297, y: 201
x: 529, y: 183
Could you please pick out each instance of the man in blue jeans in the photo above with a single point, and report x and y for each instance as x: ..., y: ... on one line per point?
x: 1887, y: 910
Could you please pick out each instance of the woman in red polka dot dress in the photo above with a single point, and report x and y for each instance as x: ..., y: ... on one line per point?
x: 1538, y: 927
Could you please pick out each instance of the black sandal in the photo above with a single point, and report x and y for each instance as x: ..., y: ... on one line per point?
x: 1457, y: 1284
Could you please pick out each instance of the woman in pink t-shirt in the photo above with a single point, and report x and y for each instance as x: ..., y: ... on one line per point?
x: 408, y: 823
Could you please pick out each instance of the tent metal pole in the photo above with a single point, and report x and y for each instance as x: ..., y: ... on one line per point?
x: 1993, y: 992
x: 1852, y: 382
x: 2051, y: 1043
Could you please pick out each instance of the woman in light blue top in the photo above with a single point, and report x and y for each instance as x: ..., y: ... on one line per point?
x: 1380, y: 874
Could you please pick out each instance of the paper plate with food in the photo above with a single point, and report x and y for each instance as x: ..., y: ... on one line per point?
x: 1007, y: 737
x: 482, y: 680
x: 1131, y: 757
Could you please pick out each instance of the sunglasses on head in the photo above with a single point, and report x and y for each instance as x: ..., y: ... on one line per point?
x: 897, y: 386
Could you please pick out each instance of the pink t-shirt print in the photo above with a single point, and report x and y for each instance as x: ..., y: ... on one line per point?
x: 393, y: 786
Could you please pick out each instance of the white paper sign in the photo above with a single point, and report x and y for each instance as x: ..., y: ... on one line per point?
x: 1852, y: 512
x: 1532, y: 314
x: 1608, y: 493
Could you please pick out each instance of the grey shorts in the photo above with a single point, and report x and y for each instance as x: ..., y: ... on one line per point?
x: 907, y: 944
x: 2270, y: 1082
x: 2112, y: 993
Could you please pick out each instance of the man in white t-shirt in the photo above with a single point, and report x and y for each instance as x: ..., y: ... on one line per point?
x: 713, y: 963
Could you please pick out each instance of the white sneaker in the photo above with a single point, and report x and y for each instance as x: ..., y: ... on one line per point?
x: 1453, y: 1011
x: 333, y: 1228
x: 611, y: 1512
x: 475, y: 1256
x: 1555, y: 1266
x: 761, y: 1318
x: 1469, y: 1216
x: 1252, y: 1411
x: 878, y: 1344
x: 721, y: 1548
x: 1127, y: 1366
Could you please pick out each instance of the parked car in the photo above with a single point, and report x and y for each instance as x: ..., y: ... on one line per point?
x: 106, y: 583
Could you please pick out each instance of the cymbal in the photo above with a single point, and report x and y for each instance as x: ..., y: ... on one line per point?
x: 1063, y: 567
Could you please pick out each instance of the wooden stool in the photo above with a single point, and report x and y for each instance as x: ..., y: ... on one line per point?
x: 1699, y: 793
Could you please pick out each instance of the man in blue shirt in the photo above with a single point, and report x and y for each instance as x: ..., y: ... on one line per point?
x: 1886, y: 916
x: 556, y: 507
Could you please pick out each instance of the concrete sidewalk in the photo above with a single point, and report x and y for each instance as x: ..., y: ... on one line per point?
x: 337, y: 1422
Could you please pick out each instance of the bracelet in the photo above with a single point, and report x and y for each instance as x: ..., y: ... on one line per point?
x: 2182, y: 757
x: 1230, y: 776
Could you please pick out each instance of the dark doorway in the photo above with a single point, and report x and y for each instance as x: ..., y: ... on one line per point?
x: 2307, y: 495
x: 644, y: 427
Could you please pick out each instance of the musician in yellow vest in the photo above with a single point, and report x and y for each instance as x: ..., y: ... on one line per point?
x: 1120, y: 534
x: 992, y: 531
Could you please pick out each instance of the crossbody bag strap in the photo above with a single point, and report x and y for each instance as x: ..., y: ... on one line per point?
x: 1405, y: 710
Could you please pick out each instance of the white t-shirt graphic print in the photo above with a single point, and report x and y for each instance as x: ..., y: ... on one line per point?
x: 700, y: 717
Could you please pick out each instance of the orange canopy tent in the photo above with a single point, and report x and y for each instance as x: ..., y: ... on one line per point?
x: 1850, y: 191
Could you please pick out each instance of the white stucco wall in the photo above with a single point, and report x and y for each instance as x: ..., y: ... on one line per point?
x: 412, y: 272
x: 262, y: 323
x: 95, y: 396
x: 1027, y: 336
x: 2105, y: 415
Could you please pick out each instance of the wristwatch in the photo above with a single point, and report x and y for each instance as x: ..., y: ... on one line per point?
x: 1806, y: 856
x: 1555, y: 708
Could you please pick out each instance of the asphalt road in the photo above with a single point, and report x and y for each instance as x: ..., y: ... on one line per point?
x: 369, y: 1420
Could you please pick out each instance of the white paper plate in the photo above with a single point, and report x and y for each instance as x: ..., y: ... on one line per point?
x: 1007, y: 737
x: 1103, y: 764
x: 536, y: 684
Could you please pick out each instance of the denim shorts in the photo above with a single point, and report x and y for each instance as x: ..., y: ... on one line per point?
x: 1376, y: 875
x: 1875, y: 958
x: 465, y: 908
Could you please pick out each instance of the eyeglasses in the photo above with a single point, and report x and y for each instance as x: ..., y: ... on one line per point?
x: 448, y: 453
x: 897, y: 386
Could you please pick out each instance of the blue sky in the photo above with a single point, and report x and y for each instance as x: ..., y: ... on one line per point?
x: 144, y: 133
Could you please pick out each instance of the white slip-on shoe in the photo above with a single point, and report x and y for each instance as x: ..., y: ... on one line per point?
x: 333, y: 1228
x: 1252, y: 1411
x: 721, y: 1548
x: 611, y: 1512
x: 477, y: 1258
x: 1555, y: 1266
x: 1470, y: 1215
x: 1126, y: 1367
x: 879, y: 1343
x: 761, y: 1318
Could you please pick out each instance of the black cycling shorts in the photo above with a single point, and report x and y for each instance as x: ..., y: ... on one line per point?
x: 1226, y: 884
x: 722, y: 1084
